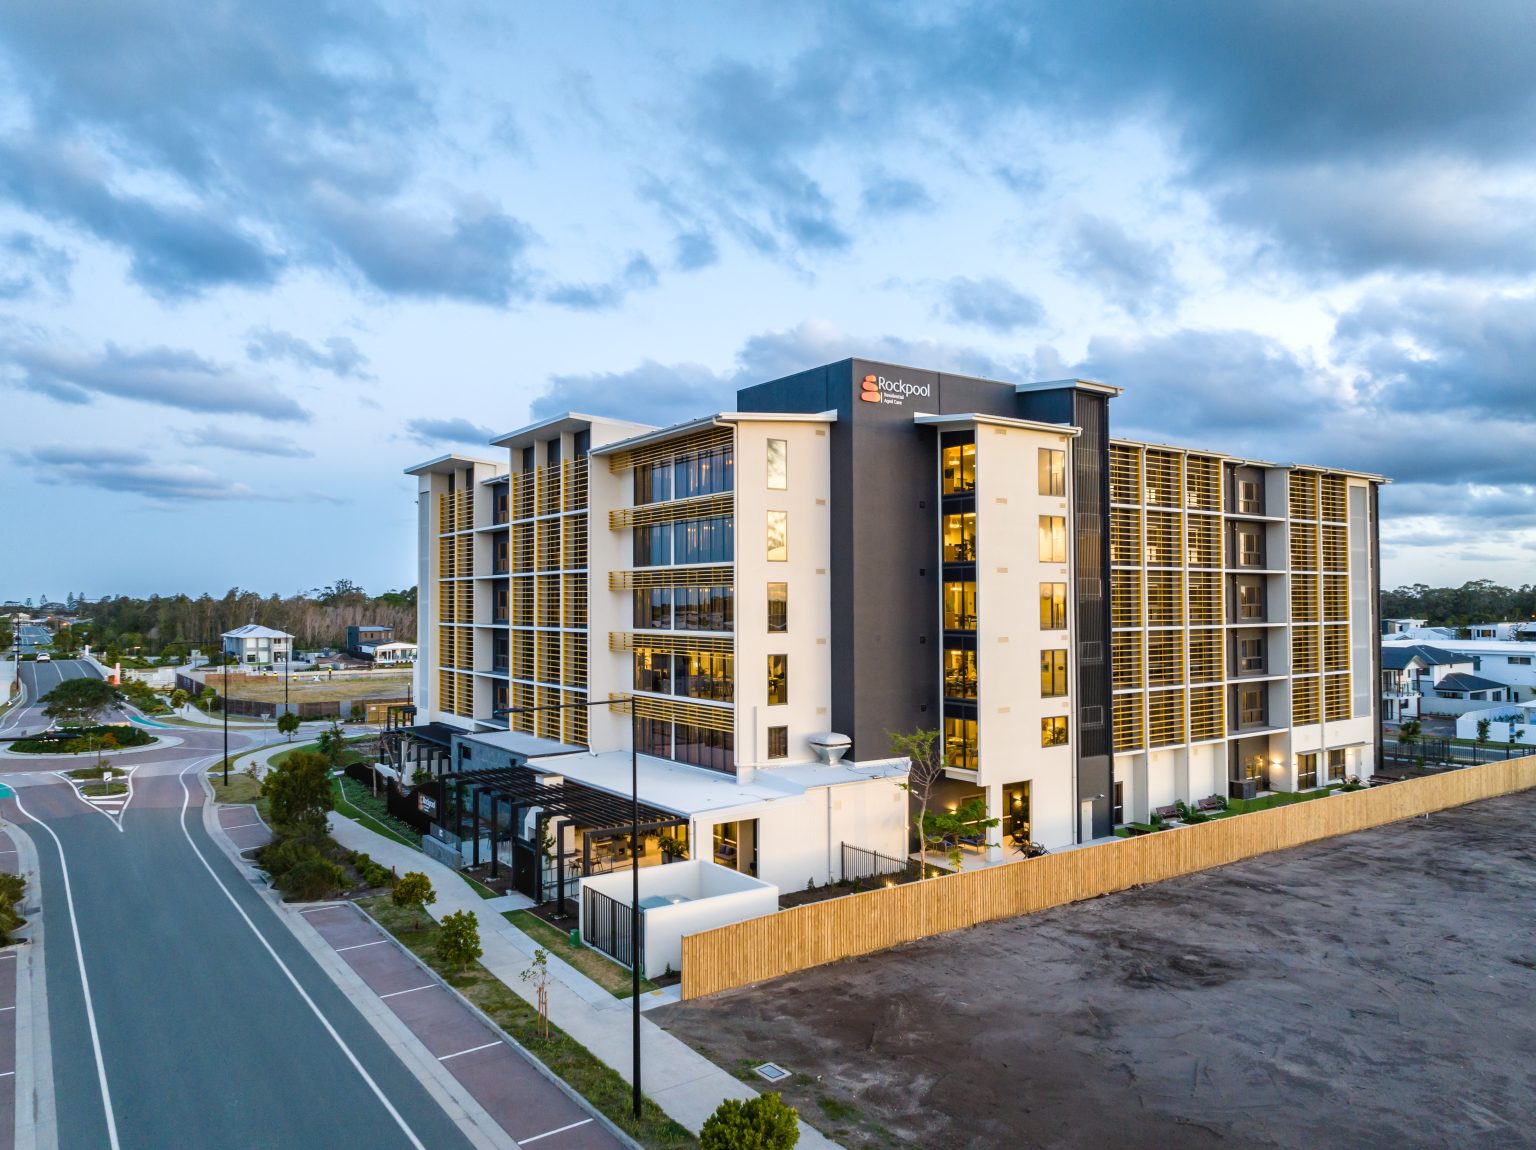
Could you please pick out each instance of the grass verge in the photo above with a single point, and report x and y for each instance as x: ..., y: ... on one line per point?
x: 102, y: 790
x: 1279, y: 799
x: 612, y: 977
x: 353, y: 800
x: 598, y: 1083
x: 241, y: 789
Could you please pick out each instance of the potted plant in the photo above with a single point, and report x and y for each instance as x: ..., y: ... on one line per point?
x: 673, y: 849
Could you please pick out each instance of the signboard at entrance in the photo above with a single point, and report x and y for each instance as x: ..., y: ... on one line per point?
x: 426, y: 804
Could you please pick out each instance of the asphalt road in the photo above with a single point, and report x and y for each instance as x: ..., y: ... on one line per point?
x: 33, y: 637
x: 37, y: 679
x: 213, y: 1026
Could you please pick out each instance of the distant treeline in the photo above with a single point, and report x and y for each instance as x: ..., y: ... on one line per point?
x: 1480, y: 601
x: 318, y: 618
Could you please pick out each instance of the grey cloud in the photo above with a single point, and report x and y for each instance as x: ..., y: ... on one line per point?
x: 250, y: 443
x: 117, y: 470
x: 887, y: 195
x: 341, y: 356
x: 695, y: 249
x: 637, y: 275
x: 433, y: 431
x: 1132, y: 274
x: 990, y: 303
x: 28, y: 265
x: 159, y: 375
x: 654, y: 393
x: 1452, y: 349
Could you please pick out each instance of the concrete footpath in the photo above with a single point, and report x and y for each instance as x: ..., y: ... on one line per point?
x: 677, y: 1078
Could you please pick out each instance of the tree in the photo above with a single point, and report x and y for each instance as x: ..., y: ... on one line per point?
x: 951, y: 827
x: 1408, y: 735
x: 208, y: 698
x: 80, y: 700
x: 458, y: 944
x: 538, y: 975
x: 298, y: 794
x: 288, y: 723
x: 179, y: 698
x: 761, y: 1123
x: 1482, y: 731
x: 924, y: 751
x: 332, y: 743
x: 414, y: 890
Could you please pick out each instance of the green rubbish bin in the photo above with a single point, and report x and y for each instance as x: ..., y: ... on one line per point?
x: 575, y: 936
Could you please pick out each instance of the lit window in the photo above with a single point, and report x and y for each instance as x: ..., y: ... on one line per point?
x: 959, y: 674
x: 1053, y: 472
x: 959, y: 532
x: 778, y: 608
x: 778, y: 742
x: 1053, y: 606
x: 778, y: 680
x: 958, y: 467
x: 778, y: 536
x: 960, y: 743
x: 1053, y: 674
x: 1053, y: 539
x: 960, y: 606
x: 778, y: 464
x: 1053, y: 731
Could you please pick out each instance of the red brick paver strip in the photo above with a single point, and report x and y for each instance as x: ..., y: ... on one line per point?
x: 244, y: 827
x: 500, y: 1076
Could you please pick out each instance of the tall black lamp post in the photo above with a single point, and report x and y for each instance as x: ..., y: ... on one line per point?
x: 634, y: 861
x: 225, y: 707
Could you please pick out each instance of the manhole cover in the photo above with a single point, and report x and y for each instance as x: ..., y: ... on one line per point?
x: 772, y: 1071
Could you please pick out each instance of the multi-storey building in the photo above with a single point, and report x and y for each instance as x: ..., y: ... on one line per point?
x: 1096, y: 627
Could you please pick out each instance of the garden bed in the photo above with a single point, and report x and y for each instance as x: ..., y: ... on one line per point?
x: 76, y: 740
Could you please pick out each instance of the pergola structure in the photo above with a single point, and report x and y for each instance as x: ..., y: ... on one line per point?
x: 406, y: 747
x: 596, y: 815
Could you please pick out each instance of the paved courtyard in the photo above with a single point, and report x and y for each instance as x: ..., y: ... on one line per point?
x: 1372, y: 990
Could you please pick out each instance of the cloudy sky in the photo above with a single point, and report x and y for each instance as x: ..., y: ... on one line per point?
x: 257, y: 258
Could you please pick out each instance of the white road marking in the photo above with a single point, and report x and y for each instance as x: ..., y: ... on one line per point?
x: 413, y: 990
x: 186, y: 799
x: 4, y: 1008
x: 85, y: 985
x: 548, y: 1133
x: 471, y: 1050
x: 359, y: 946
x: 242, y: 826
x: 7, y: 1074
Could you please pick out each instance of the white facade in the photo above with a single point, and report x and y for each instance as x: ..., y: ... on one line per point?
x: 259, y: 645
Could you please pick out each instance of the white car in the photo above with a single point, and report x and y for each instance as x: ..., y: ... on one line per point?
x: 44, y: 657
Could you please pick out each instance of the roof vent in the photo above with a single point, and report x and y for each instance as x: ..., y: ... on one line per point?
x: 829, y: 746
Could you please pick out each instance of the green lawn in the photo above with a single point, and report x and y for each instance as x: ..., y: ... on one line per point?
x: 567, y: 1058
x: 241, y: 789
x: 1279, y: 799
x: 356, y: 802
x: 612, y: 977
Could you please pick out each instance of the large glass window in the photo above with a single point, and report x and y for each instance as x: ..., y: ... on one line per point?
x: 778, y: 680
x: 653, y: 671
x: 702, y: 540
x: 1053, y: 472
x: 653, y: 545
x: 1250, y: 706
x: 703, y: 472
x: 653, y: 609
x: 1336, y: 765
x: 1053, y: 731
x: 960, y: 743
x: 1053, y: 674
x: 959, y: 674
x: 778, y: 536
x: 703, y: 608
x: 705, y: 675
x: 653, y: 482
x: 960, y: 537
x: 1250, y: 600
x: 1053, y: 539
x: 1250, y: 551
x: 960, y: 606
x: 778, y: 608
x: 1053, y: 606
x: 1306, y: 771
x: 778, y: 464
x: 959, y: 467
x: 703, y: 747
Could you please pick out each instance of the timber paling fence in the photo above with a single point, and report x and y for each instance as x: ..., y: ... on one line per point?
x: 822, y: 932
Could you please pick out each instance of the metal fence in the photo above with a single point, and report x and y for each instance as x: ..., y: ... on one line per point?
x: 607, y: 925
x: 859, y: 862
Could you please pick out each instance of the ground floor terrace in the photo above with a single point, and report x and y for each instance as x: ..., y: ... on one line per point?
x: 1370, y: 990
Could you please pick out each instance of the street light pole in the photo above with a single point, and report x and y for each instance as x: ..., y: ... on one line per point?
x: 225, y: 702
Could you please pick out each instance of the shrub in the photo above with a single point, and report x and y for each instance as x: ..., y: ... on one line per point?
x: 13, y: 888
x: 458, y: 943
x: 762, y: 1123
x: 1220, y: 801
x: 298, y: 794
x: 312, y: 878
x: 414, y: 890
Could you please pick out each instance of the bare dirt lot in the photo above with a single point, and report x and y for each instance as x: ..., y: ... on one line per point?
x: 1376, y: 990
x: 314, y: 686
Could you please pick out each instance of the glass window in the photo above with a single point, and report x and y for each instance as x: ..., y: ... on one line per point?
x: 705, y: 675
x: 702, y: 540
x: 1250, y: 705
x: 778, y: 536
x: 959, y: 674
x: 960, y: 537
x: 1053, y: 539
x: 960, y: 743
x: 1306, y: 771
x: 703, y: 608
x: 653, y: 482
x: 778, y: 608
x: 1250, y: 655
x: 1053, y: 606
x: 653, y: 671
x: 1053, y: 731
x: 653, y: 545
x: 1053, y: 472
x: 960, y: 606
x: 703, y: 472
x: 1249, y: 553
x: 653, y: 609
x: 778, y: 464
x: 1250, y: 601
x: 1053, y: 674
x: 958, y: 465
x: 778, y: 680
x: 778, y: 742
x: 1117, y: 809
x: 1336, y: 765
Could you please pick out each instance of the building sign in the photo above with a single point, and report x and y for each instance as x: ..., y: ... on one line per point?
x: 426, y: 804
x: 879, y: 389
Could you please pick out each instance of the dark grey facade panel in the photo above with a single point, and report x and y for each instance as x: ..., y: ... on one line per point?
x: 1090, y: 518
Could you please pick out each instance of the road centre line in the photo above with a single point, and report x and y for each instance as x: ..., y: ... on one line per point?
x: 85, y: 984
x: 281, y: 965
x: 471, y: 1050
x: 549, y: 1133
